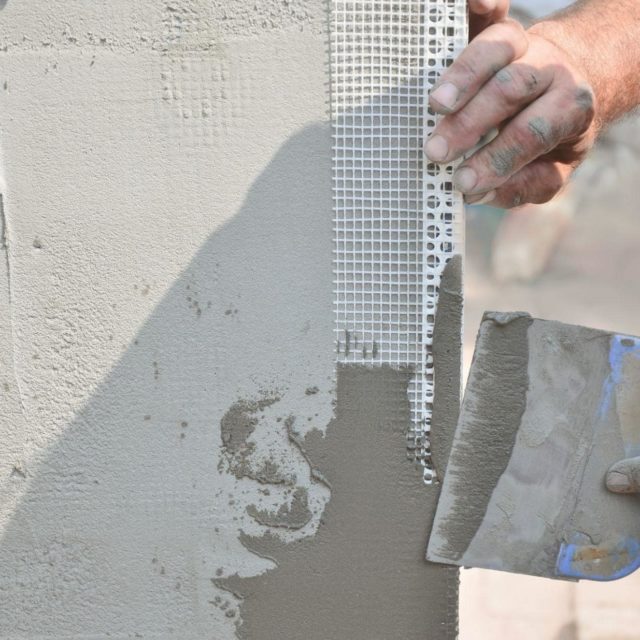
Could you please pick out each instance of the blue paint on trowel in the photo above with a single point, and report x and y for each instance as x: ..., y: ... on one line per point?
x: 602, y: 563
x: 608, y: 561
x: 620, y: 347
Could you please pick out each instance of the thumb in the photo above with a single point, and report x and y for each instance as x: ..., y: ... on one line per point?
x: 624, y: 476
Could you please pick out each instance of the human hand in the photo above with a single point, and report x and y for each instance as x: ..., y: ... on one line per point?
x: 624, y: 476
x: 531, y: 91
x: 483, y: 13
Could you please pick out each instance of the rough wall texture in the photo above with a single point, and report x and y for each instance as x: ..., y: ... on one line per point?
x: 166, y: 328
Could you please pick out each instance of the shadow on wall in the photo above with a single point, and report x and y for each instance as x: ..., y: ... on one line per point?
x: 115, y: 531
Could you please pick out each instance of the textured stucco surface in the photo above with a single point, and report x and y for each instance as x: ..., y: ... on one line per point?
x: 168, y: 222
x: 166, y: 310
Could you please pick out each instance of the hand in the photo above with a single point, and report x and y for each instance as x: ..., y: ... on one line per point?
x: 624, y: 476
x: 483, y: 13
x: 525, y: 86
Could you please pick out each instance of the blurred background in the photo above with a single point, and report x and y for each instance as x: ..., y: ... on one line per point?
x: 576, y: 259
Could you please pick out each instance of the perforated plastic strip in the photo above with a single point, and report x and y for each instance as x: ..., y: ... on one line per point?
x: 397, y: 219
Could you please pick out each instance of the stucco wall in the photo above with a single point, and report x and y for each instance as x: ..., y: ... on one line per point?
x: 167, y: 223
x: 166, y: 315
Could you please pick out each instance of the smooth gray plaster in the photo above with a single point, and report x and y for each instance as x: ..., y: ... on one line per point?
x: 363, y: 575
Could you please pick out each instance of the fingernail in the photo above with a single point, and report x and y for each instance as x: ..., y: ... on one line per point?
x: 482, y: 199
x: 437, y: 149
x: 465, y: 179
x: 619, y: 482
x: 446, y: 94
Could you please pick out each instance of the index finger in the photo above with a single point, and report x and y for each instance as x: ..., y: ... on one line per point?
x: 495, y: 48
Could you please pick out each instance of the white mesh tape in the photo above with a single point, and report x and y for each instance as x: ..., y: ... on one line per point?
x: 397, y: 219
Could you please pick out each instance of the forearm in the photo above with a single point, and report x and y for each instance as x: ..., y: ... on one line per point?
x: 603, y: 38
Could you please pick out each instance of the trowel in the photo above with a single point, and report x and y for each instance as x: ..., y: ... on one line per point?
x: 548, y: 408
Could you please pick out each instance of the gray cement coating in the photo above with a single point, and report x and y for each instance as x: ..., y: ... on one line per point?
x: 494, y: 403
x: 362, y: 576
x: 288, y: 516
x: 447, y: 356
x: 566, y: 367
x: 528, y: 490
x: 240, y: 421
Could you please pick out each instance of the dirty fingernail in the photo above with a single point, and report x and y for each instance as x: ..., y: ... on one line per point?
x: 446, y: 94
x: 482, y: 199
x: 465, y: 179
x: 437, y: 149
x: 618, y: 482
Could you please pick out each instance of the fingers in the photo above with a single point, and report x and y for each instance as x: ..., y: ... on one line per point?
x: 497, y: 46
x: 507, y: 93
x: 486, y: 12
x: 504, y: 95
x: 524, y: 87
x: 624, y: 476
x: 537, y: 183
x: 556, y: 117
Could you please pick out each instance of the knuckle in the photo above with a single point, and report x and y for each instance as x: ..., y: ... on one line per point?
x: 511, y: 195
x: 543, y: 132
x: 578, y: 98
x: 574, y: 118
x: 464, y: 68
x: 521, y: 136
x: 514, y: 33
x: 506, y: 40
x: 500, y: 44
x: 509, y: 29
x: 536, y: 184
x: 503, y: 161
x: 516, y: 200
x: 585, y: 98
x: 584, y: 107
x: 514, y: 146
x: 515, y: 84
x: 504, y: 87
x: 462, y: 129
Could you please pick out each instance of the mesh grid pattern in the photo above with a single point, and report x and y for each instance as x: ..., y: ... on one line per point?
x: 397, y: 219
